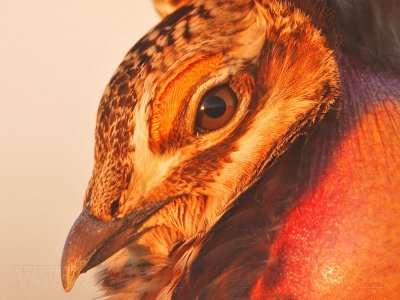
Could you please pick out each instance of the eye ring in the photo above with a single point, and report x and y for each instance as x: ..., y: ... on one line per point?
x: 216, y: 109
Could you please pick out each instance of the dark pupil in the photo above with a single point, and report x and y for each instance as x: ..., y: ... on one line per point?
x: 214, y: 107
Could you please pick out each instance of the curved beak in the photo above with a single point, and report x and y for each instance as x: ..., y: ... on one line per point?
x: 91, y: 241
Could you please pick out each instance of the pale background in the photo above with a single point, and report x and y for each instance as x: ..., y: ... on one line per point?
x: 56, y: 57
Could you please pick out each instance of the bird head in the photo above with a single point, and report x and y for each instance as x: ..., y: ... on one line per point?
x: 197, y: 110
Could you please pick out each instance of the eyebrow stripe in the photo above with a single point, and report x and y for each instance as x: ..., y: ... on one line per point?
x: 169, y: 99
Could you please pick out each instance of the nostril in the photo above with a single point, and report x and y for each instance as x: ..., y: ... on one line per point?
x: 114, y: 208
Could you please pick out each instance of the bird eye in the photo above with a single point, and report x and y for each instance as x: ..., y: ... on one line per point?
x: 216, y: 109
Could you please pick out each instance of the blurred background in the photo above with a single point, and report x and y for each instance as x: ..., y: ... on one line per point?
x: 56, y: 58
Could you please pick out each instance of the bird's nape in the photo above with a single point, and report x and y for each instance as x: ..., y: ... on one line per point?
x: 233, y: 112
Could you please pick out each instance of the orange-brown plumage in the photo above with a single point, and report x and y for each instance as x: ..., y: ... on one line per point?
x: 193, y: 210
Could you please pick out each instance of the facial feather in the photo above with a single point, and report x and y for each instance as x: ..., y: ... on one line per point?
x: 272, y: 37
x: 147, y: 147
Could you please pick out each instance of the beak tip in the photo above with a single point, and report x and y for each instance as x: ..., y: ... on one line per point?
x: 67, y: 287
x: 68, y: 278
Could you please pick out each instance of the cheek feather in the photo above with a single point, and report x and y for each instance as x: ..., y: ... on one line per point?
x: 177, y: 222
